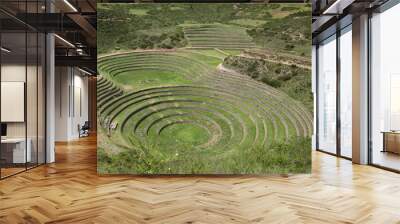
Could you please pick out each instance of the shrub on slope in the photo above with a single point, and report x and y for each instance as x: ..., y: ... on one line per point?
x: 294, y: 81
x: 288, y: 34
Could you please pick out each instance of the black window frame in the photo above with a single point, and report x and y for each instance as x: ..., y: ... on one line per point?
x: 336, y: 29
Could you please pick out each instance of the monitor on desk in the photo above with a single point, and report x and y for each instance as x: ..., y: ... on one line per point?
x: 3, y: 130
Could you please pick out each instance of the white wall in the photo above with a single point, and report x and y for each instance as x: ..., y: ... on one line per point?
x: 62, y: 81
x: 10, y: 73
x: 17, y: 73
x: 13, y: 72
x: 71, y: 102
x: 33, y: 126
x: 13, y: 101
x: 80, y: 110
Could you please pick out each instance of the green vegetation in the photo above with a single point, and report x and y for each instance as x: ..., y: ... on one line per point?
x: 291, y: 79
x: 292, y: 156
x: 288, y: 34
x: 284, y: 27
x: 181, y: 93
x: 249, y: 22
x: 185, y: 133
x: 138, y: 12
x: 143, y: 78
x: 216, y: 36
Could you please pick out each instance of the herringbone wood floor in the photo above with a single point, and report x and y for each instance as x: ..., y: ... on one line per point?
x: 70, y: 191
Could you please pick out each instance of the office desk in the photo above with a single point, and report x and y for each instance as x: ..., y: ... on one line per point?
x: 391, y: 141
x: 13, y: 150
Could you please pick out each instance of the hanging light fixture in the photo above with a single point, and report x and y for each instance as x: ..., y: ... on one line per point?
x: 84, y: 71
x: 70, y: 5
x: 5, y: 50
x: 64, y: 40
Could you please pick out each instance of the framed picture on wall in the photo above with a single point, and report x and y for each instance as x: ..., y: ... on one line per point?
x: 12, y: 101
x: 188, y: 88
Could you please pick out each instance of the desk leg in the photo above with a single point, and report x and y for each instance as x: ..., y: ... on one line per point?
x: 384, y: 142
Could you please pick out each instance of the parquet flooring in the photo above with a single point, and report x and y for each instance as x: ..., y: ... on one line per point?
x: 70, y: 191
x: 10, y: 171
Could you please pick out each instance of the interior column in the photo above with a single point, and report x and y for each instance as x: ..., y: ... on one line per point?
x: 360, y: 90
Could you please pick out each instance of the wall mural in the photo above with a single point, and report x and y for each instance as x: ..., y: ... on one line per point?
x: 204, y: 88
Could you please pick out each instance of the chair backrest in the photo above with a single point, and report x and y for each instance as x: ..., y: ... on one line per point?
x: 86, y: 124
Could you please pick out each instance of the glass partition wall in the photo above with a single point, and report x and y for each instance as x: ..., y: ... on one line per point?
x: 385, y: 89
x: 327, y: 95
x: 345, y: 90
x: 22, y: 78
x: 334, y: 105
x: 334, y: 94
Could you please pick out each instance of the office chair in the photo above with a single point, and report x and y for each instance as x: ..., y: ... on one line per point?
x: 84, y: 130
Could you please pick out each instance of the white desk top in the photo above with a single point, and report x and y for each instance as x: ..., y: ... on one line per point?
x: 12, y: 140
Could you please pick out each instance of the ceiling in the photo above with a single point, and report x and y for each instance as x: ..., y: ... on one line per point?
x: 332, y: 15
x: 73, y: 22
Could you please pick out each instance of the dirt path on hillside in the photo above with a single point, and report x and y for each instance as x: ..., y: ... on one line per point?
x: 221, y: 67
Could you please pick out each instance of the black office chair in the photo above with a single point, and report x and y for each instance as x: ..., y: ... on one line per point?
x: 84, y: 130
